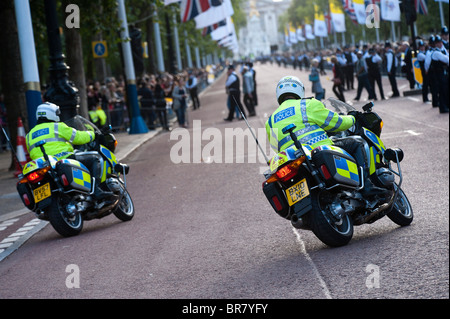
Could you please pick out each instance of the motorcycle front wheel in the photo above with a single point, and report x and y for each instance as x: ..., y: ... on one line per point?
x: 332, y: 231
x: 401, y: 212
x: 64, y: 223
x: 125, y: 207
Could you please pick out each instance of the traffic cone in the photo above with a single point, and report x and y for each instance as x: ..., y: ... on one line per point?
x: 22, y: 154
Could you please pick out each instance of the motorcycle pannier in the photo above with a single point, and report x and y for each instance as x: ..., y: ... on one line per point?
x: 74, y: 175
x: 336, y: 165
x: 276, y: 198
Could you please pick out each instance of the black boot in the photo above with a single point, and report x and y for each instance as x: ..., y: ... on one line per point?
x: 370, y: 189
x: 103, y: 196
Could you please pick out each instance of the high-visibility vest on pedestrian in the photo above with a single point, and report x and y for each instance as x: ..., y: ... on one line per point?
x: 58, y: 137
x: 312, y: 121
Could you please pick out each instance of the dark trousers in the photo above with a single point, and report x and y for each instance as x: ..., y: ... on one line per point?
x: 443, y: 92
x: 339, y: 91
x: 393, y: 82
x: 364, y: 83
x: 434, y: 87
x: 376, y: 77
x: 349, y: 78
x: 234, y: 99
x: 425, y: 86
x: 249, y: 104
x: 255, y: 96
x: 194, y: 98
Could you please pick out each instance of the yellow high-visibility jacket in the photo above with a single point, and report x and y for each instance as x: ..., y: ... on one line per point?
x: 59, y: 139
x: 312, y: 121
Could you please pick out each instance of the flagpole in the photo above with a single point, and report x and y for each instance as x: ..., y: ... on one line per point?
x: 177, y: 43
x: 441, y: 13
x: 159, y: 52
x: 188, y: 50
x: 393, y: 32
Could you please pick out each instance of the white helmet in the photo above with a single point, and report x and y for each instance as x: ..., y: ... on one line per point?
x: 292, y: 85
x: 48, y: 111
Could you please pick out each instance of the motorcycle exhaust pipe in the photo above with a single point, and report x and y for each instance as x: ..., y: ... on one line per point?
x: 298, y: 222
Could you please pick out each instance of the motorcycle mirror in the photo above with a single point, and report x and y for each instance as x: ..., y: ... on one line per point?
x: 368, y: 107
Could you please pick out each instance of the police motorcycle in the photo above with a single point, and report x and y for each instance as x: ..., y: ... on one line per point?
x: 320, y: 189
x: 61, y: 191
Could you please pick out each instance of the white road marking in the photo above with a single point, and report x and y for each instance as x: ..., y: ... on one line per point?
x: 322, y: 283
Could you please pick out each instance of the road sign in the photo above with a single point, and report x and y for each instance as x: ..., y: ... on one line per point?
x: 99, y: 49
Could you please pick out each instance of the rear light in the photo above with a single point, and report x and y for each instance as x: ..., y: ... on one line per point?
x: 286, y: 172
x: 325, y: 172
x: 26, y: 200
x: 277, y: 203
x: 64, y: 180
x: 35, y: 176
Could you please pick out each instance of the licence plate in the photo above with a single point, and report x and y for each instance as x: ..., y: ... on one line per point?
x: 297, y: 192
x: 42, y: 192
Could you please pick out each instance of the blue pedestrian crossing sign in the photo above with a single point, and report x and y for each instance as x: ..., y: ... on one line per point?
x: 99, y: 49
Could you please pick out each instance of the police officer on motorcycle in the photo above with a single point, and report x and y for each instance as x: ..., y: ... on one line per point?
x: 59, y: 140
x: 313, y: 120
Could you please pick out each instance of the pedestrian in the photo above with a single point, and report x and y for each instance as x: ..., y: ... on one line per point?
x: 248, y: 89
x: 425, y: 81
x: 314, y: 77
x: 373, y: 69
x: 363, y: 77
x: 254, y: 93
x: 232, y: 87
x: 179, y: 105
x: 338, y: 79
x: 350, y: 59
x: 437, y: 64
x: 191, y: 85
x: 408, y: 67
x: 145, y: 97
x: 161, y: 104
x: 444, y: 36
x: 391, y: 67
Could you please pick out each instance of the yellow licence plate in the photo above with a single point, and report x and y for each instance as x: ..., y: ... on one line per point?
x: 42, y: 192
x: 297, y: 192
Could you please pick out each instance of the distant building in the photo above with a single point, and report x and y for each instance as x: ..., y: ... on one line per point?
x: 261, y: 36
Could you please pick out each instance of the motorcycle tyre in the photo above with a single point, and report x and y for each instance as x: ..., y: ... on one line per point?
x: 62, y: 224
x: 329, y: 234
x: 401, y: 212
x: 125, y: 208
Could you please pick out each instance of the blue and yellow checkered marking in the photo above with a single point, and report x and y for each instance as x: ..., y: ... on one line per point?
x: 346, y: 168
x: 81, y: 178
x: 375, y: 140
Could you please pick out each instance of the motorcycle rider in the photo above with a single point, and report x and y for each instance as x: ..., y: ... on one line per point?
x: 60, y: 139
x: 313, y: 120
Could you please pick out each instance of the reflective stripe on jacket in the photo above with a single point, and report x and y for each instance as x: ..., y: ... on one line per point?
x: 312, y: 121
x: 58, y: 137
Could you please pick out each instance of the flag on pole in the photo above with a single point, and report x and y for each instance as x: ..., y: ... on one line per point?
x: 213, y: 27
x: 292, y: 34
x: 421, y: 6
x: 219, y: 10
x: 348, y: 8
x: 360, y: 11
x: 300, y: 36
x: 320, y: 27
x: 286, y: 37
x: 337, y: 16
x: 223, y: 30
x: 189, y: 9
x: 390, y: 10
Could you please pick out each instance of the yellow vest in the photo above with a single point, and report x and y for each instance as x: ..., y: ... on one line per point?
x: 312, y: 121
x: 59, y: 139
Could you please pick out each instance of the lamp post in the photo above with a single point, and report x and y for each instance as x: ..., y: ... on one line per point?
x: 60, y: 92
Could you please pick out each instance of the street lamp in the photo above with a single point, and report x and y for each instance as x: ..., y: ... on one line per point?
x: 60, y: 92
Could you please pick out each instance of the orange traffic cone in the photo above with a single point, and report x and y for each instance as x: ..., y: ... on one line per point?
x: 22, y: 154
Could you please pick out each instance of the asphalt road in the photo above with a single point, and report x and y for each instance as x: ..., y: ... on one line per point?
x: 204, y: 230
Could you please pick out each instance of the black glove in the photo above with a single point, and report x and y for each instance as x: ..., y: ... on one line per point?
x: 356, y: 114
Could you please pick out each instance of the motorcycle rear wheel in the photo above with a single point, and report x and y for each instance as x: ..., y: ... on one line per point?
x: 65, y: 224
x: 326, y: 226
x: 401, y: 212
